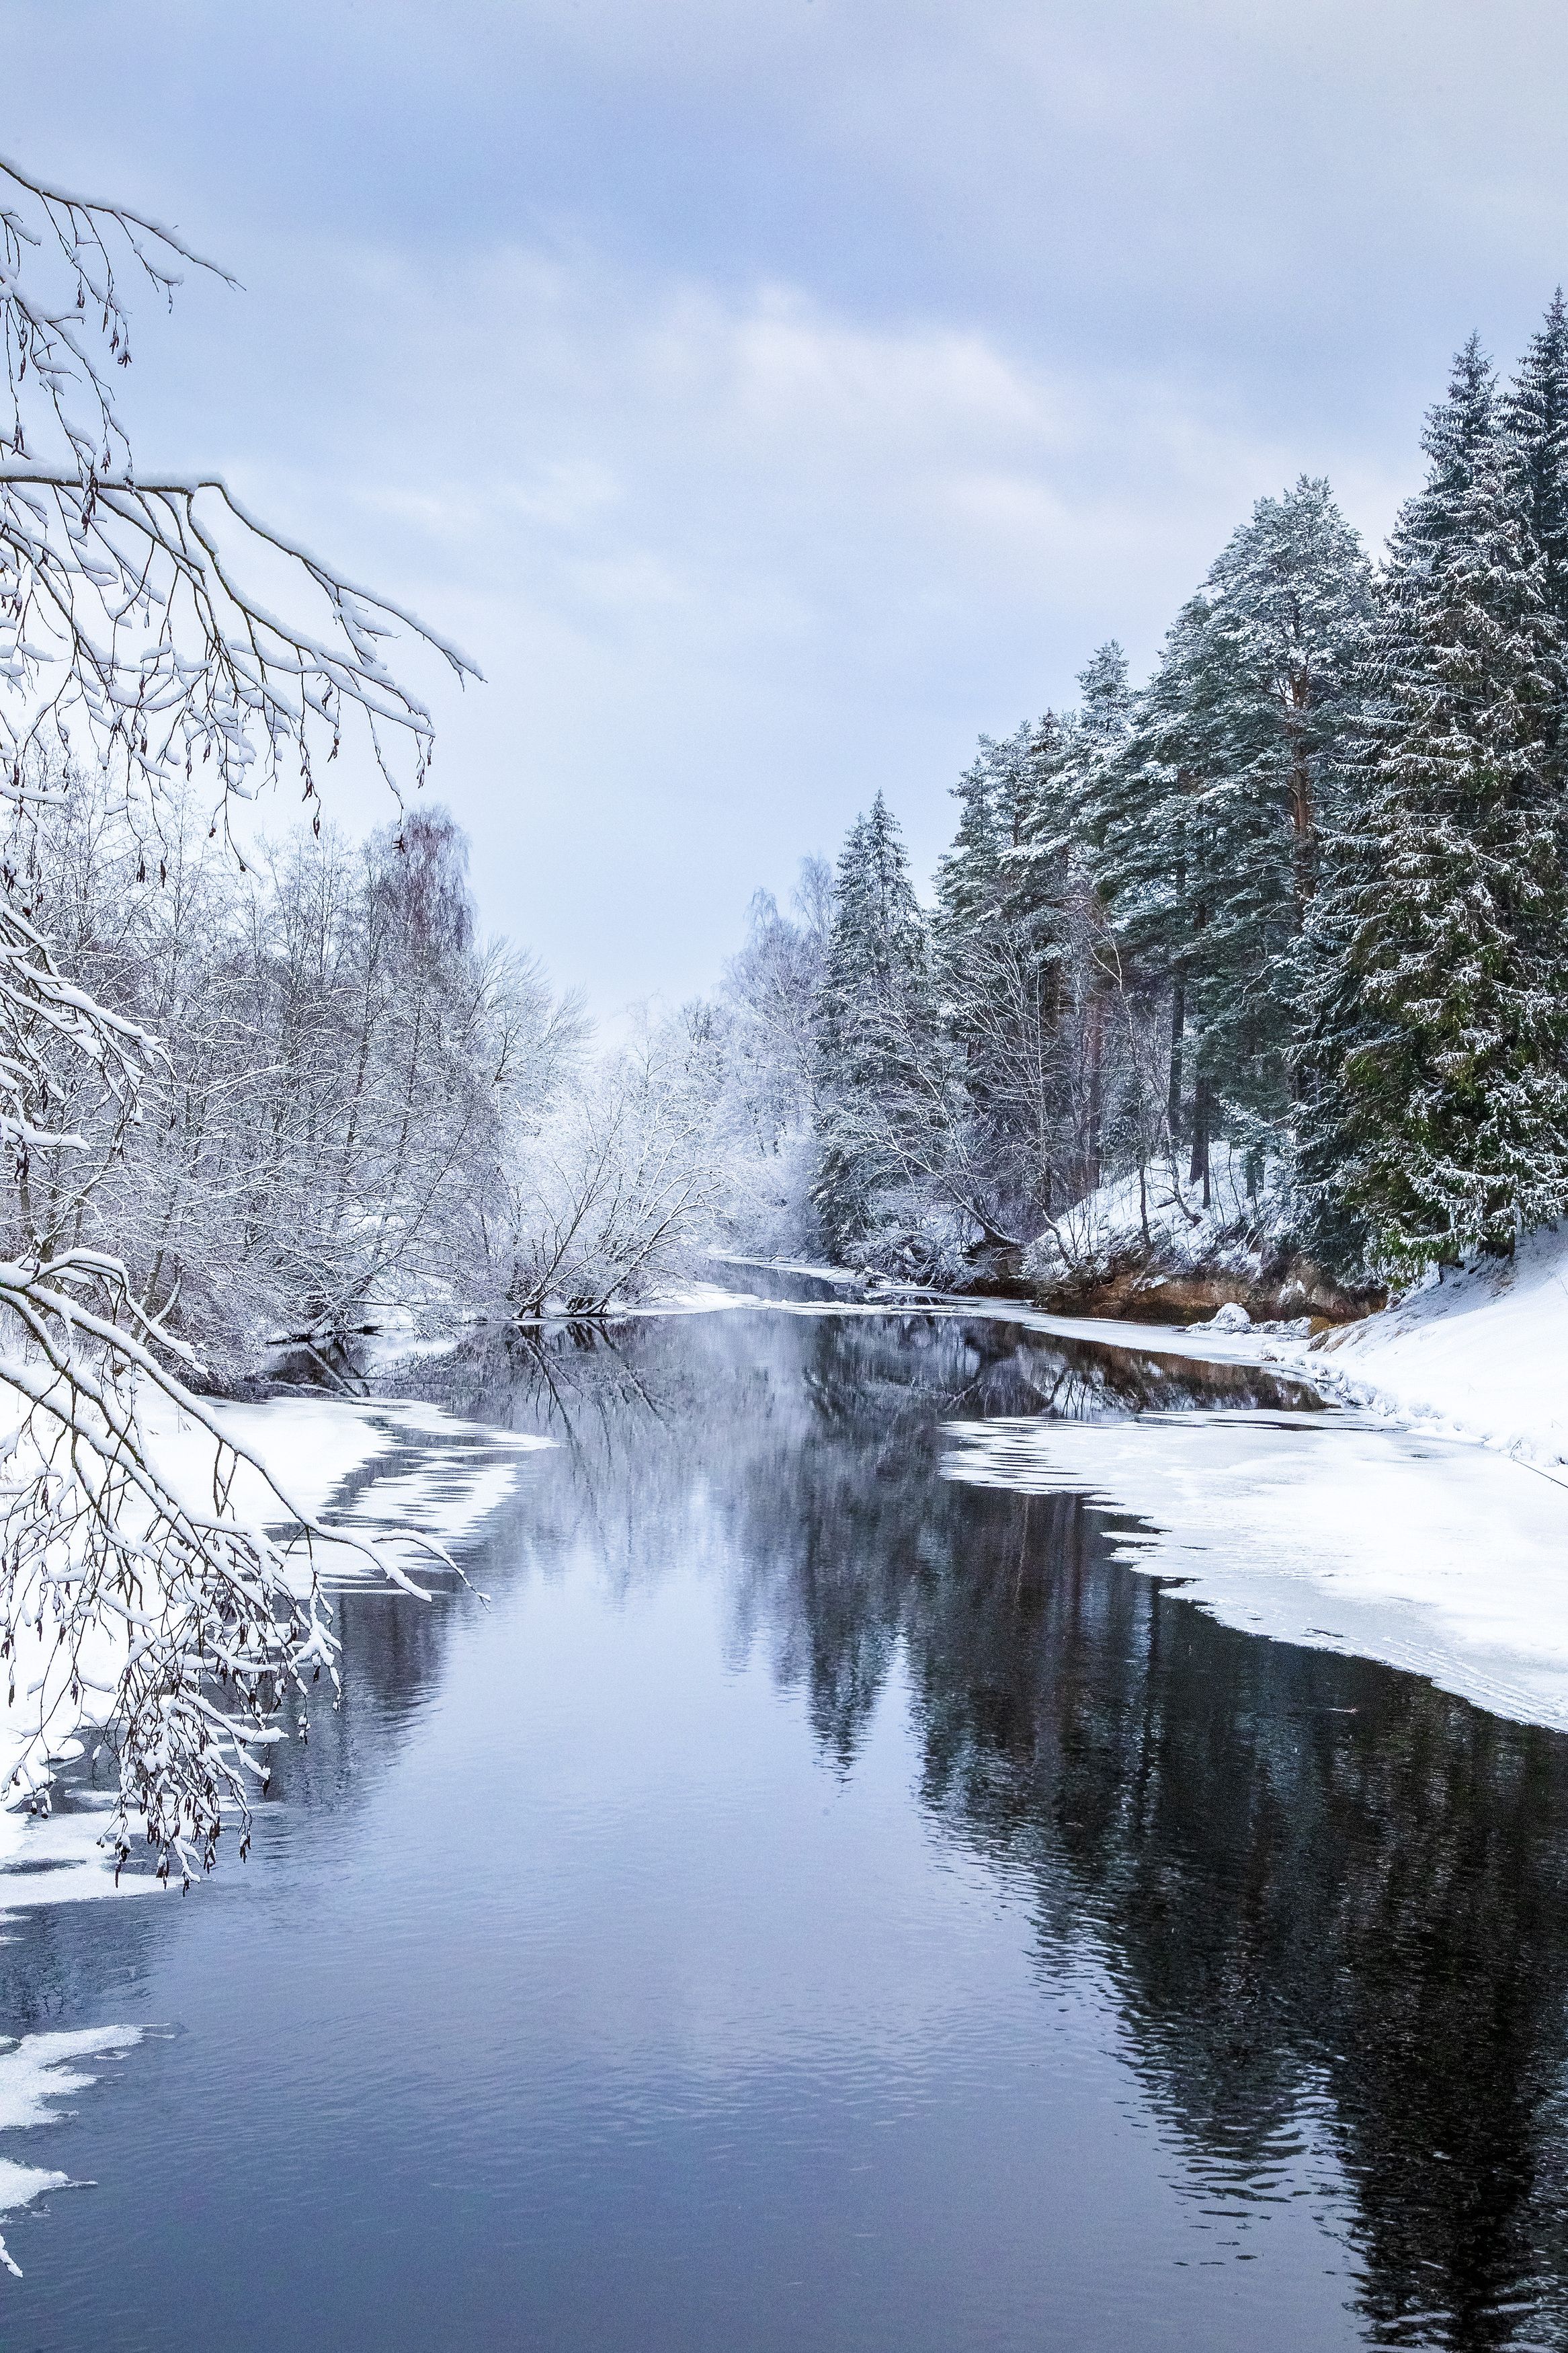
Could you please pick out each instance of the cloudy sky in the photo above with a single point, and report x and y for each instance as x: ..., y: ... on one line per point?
x: 773, y: 395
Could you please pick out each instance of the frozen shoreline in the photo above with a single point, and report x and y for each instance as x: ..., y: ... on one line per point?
x: 375, y: 1468
x: 1338, y: 1532
x: 1424, y: 1524
x: 1480, y: 1357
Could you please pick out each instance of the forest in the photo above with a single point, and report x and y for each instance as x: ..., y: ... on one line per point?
x: 1276, y: 939
x: 1273, y: 941
x: 1278, y: 933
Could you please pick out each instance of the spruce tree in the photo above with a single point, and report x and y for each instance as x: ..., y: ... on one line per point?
x: 1003, y: 943
x: 875, y: 1028
x: 1208, y: 826
x: 1533, y: 416
x: 1437, y: 1112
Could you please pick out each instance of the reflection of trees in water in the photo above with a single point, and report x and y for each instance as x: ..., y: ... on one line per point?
x: 1312, y: 1882
x: 1308, y: 1875
x: 1315, y: 1884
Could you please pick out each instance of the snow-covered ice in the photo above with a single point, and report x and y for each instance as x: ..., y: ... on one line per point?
x: 1424, y: 1524
x: 1329, y: 1529
x: 34, y: 2072
x: 408, y: 1465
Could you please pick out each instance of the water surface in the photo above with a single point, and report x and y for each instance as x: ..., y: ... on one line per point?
x: 816, y: 1904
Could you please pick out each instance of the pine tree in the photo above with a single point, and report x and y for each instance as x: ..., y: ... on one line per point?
x: 1002, y: 937
x: 1151, y: 852
x: 1534, y: 415
x: 1437, y: 1112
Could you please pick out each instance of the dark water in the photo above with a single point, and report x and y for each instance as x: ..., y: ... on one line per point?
x: 818, y: 1905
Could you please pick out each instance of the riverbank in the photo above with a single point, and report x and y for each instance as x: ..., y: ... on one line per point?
x: 377, y: 1468
x: 1479, y: 1356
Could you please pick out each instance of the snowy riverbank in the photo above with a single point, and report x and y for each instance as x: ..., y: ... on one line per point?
x: 378, y: 1469
x: 1479, y: 1356
x: 1425, y: 1524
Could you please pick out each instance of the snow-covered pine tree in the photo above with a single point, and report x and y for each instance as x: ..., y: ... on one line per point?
x: 1533, y: 416
x: 1436, y: 1109
x: 876, y: 1032
x: 1090, y: 964
x: 968, y: 875
x: 1292, y: 604
x: 1153, y: 854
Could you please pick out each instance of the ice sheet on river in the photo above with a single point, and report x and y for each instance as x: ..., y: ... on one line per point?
x: 34, y: 2073
x: 1327, y: 1529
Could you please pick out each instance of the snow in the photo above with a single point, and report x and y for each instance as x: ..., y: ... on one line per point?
x: 412, y: 1467
x: 1425, y: 1524
x: 1159, y: 1218
x: 1329, y: 1529
x: 422, y: 1469
x: 34, y: 2072
x: 1482, y: 1355
x: 310, y: 1445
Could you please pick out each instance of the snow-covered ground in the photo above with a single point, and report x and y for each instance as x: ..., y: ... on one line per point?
x: 1484, y: 1356
x: 1159, y: 1216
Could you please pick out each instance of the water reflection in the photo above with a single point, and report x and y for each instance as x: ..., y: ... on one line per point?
x: 1326, y: 1893
x: 1328, y: 1902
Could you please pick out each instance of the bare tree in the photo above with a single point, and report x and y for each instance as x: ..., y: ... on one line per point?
x: 133, y: 630
x: 620, y: 1181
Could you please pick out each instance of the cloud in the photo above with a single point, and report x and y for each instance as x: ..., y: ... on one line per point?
x: 730, y: 559
x: 775, y: 395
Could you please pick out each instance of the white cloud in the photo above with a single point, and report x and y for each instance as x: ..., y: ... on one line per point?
x: 774, y: 396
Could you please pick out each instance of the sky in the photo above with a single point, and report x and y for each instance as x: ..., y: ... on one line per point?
x: 773, y: 395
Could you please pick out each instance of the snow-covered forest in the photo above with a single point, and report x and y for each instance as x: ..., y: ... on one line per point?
x: 361, y: 1118
x: 252, y: 1095
x: 1275, y: 938
x: 1267, y: 951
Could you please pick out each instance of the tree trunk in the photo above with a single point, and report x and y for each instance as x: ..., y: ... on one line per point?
x: 1178, y: 1025
x: 1096, y: 1069
x: 1201, y: 1115
x: 1303, y: 815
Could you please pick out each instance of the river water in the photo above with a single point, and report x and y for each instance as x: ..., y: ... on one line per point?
x: 819, y: 1905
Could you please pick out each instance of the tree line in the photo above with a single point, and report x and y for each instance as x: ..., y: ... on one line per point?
x: 1297, y: 902
x: 351, y: 1112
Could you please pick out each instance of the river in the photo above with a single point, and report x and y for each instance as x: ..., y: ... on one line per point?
x: 814, y: 1902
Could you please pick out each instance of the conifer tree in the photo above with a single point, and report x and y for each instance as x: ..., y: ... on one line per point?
x: 1208, y: 826
x: 1149, y: 848
x: 1437, y: 1112
x: 1534, y: 415
x: 1002, y: 942
x: 875, y: 1026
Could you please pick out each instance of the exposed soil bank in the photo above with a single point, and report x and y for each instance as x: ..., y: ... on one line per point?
x: 1139, y: 1288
